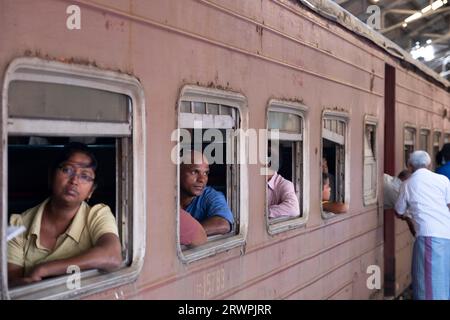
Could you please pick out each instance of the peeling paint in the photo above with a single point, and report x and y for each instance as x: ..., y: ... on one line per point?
x: 73, y: 60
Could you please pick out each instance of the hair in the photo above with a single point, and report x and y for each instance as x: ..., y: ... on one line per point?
x: 419, y: 159
x: 70, y: 149
x: 274, y: 154
x: 445, y: 151
x: 404, y: 174
x: 190, y: 156
x: 325, y: 177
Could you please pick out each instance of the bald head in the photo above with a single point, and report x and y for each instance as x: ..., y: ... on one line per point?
x: 193, y: 157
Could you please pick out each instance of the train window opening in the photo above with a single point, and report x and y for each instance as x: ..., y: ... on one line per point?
x: 424, y: 139
x: 285, y: 207
x: 208, y: 122
x: 370, y: 162
x: 409, y: 143
x: 446, y: 138
x: 334, y: 141
x: 436, y: 147
x: 51, y: 104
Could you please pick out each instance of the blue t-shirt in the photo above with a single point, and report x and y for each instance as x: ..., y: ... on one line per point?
x: 209, y: 204
x: 445, y: 170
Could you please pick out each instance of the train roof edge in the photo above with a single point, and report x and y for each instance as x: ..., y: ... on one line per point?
x: 332, y: 11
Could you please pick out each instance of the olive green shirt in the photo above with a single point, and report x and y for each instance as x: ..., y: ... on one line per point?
x: 87, y: 226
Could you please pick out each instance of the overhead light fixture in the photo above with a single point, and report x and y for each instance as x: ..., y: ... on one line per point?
x: 426, y: 9
x: 415, y: 16
x: 429, y: 41
x: 437, y: 4
x: 404, y: 25
x: 432, y: 7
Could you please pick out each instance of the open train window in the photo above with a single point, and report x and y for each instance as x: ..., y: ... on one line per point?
x: 446, y: 138
x: 334, y: 153
x: 286, y: 136
x: 424, y: 140
x: 49, y: 104
x: 209, y: 121
x: 436, y: 147
x: 409, y: 142
x: 370, y: 175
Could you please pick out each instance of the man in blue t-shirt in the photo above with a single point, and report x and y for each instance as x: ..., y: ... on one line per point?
x: 204, y: 203
x: 445, y: 168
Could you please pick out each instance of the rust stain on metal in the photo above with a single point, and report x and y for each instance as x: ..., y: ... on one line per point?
x: 73, y: 60
x: 259, y: 30
x: 372, y: 80
x: 213, y: 85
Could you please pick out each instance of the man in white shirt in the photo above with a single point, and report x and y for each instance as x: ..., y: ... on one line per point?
x: 426, y: 195
x: 391, y: 190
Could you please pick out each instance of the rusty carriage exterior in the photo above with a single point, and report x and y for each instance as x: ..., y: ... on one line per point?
x: 128, y: 74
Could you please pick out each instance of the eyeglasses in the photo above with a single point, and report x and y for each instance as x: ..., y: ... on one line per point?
x: 70, y: 172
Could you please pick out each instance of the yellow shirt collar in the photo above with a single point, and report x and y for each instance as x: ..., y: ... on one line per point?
x: 74, y: 230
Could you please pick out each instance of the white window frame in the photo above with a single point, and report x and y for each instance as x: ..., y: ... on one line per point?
x: 345, y: 117
x: 217, y: 244
x: 372, y: 121
x: 428, y: 135
x: 36, y: 69
x: 282, y: 224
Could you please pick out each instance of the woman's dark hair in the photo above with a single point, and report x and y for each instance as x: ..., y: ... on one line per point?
x: 68, y: 150
x: 325, y: 177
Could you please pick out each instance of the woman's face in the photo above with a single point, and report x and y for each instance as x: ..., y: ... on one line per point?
x: 73, y: 180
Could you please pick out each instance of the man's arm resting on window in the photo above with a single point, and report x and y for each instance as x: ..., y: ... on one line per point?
x: 216, y: 225
x: 105, y: 255
x: 289, y: 207
x: 335, y: 207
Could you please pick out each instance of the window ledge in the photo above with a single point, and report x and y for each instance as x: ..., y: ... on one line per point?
x: 211, y: 248
x: 330, y: 215
x: 91, y: 281
x: 275, y: 227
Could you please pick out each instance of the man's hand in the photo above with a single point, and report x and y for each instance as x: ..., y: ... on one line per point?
x: 37, y: 274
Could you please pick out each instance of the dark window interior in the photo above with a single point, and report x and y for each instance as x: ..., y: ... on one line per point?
x: 29, y: 165
x: 286, y: 156
x: 408, y: 149
x: 285, y: 159
x: 329, y: 153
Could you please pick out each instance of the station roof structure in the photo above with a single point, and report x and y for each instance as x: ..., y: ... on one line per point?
x: 420, y: 27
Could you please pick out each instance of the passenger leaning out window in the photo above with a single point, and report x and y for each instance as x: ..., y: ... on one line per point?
x: 64, y: 230
x: 327, y: 205
x: 204, y: 203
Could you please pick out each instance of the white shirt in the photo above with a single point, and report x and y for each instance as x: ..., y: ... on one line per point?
x: 391, y: 191
x: 426, y: 195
